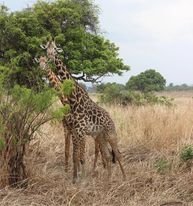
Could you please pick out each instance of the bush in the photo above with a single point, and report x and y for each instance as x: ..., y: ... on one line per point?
x: 22, y: 112
x: 111, y: 93
x: 114, y: 95
x: 162, y: 165
x: 186, y: 153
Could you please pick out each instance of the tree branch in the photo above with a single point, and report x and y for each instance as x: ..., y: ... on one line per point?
x: 85, y: 78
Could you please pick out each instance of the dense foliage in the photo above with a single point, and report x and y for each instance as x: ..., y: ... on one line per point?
x: 147, y: 81
x: 74, y: 24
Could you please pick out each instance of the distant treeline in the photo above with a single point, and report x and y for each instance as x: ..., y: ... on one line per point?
x: 171, y: 87
x: 181, y: 87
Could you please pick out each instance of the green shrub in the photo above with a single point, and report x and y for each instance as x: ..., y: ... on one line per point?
x: 22, y: 112
x: 67, y: 87
x: 186, y: 153
x: 162, y: 165
x: 114, y: 95
x: 61, y: 112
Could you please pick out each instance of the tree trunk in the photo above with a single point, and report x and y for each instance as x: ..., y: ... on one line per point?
x: 13, y: 166
x: 16, y: 168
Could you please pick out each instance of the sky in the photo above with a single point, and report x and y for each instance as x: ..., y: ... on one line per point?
x: 150, y: 34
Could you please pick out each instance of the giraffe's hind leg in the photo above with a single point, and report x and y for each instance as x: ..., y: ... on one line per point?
x: 82, y: 155
x: 97, y: 150
x: 105, y: 154
x: 113, y: 142
x: 96, y: 154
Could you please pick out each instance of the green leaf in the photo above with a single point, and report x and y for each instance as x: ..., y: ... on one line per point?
x: 68, y: 86
x: 60, y: 113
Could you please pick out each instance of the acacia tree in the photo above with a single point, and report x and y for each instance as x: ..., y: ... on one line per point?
x: 73, y: 23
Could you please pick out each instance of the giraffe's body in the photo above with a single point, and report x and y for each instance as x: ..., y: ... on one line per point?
x: 88, y: 117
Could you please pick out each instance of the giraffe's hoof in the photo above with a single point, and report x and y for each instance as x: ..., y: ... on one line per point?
x: 124, y: 178
x: 76, y: 180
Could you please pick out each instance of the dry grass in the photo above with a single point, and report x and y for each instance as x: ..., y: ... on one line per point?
x: 147, y: 135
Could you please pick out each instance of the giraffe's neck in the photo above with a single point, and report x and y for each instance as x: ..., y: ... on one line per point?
x: 56, y: 84
x: 79, y: 96
x: 61, y: 69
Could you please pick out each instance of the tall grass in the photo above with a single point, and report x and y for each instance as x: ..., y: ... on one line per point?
x: 151, y: 139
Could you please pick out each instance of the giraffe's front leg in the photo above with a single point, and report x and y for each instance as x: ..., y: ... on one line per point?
x: 67, y: 148
x: 76, y: 152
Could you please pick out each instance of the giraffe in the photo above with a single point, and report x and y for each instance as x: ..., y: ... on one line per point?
x: 89, y: 118
x: 67, y: 120
x: 56, y: 84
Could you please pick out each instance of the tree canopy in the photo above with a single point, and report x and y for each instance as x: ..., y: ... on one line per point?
x: 75, y: 26
x: 147, y: 81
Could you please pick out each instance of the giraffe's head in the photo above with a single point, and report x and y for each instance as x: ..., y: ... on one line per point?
x: 42, y: 62
x: 51, y: 49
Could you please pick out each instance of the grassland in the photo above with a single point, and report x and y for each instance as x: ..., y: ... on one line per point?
x: 151, y: 139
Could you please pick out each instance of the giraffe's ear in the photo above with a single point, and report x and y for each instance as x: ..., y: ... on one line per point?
x: 43, y: 46
x: 36, y: 60
x: 59, y: 50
